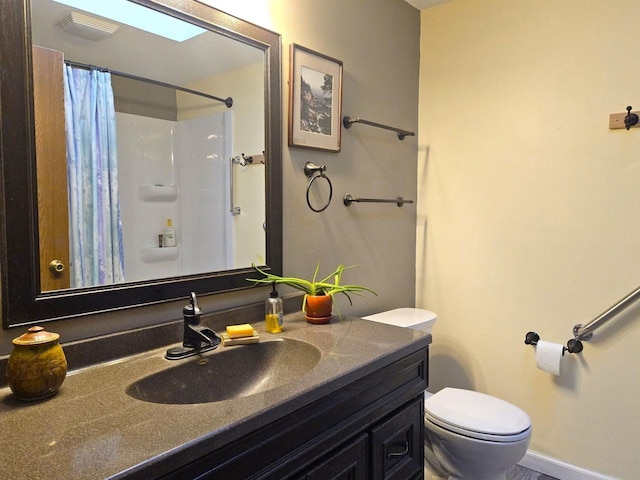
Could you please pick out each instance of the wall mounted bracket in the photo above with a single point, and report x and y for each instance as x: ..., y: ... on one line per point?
x: 624, y: 120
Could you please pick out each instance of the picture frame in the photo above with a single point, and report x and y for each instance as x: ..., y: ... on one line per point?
x: 315, y: 100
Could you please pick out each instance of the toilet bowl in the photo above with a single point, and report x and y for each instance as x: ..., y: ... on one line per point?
x: 468, y: 435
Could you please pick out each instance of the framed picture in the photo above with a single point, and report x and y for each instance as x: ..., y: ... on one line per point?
x: 315, y: 100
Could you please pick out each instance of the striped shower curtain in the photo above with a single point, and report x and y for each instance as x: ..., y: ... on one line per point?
x: 95, y: 226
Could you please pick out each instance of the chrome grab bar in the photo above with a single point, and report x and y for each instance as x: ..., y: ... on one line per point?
x: 234, y: 160
x: 585, y: 332
x: 243, y: 161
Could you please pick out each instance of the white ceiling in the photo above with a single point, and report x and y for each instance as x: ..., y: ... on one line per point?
x: 133, y: 51
x: 422, y: 4
x: 162, y: 60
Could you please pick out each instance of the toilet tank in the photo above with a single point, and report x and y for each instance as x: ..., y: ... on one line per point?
x: 415, y: 318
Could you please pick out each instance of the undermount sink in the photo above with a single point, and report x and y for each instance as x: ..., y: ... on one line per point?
x: 229, y: 372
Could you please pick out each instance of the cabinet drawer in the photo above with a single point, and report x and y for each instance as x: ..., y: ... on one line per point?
x: 348, y: 463
x: 397, y: 444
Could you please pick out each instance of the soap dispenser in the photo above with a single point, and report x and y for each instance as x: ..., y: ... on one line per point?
x: 273, y: 312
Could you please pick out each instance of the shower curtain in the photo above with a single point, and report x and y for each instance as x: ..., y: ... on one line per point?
x: 95, y: 226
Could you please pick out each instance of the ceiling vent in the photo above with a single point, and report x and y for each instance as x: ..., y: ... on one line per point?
x: 84, y: 26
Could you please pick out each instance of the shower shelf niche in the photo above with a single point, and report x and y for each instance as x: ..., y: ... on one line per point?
x: 158, y: 193
x: 159, y: 254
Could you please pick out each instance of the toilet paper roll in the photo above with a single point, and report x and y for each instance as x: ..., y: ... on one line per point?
x: 548, y: 356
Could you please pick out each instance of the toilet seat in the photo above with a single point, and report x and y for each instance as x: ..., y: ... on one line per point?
x: 477, y: 415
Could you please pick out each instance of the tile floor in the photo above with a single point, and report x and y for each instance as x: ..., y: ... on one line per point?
x: 521, y: 473
x: 515, y: 473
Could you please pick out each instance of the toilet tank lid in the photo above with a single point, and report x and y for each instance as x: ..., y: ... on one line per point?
x: 476, y: 412
x: 415, y: 318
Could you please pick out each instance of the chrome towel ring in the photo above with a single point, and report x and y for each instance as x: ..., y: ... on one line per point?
x: 315, y: 172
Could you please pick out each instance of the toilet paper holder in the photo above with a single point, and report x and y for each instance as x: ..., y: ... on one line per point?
x: 573, y: 345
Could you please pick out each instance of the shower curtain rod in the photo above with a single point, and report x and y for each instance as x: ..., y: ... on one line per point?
x: 227, y: 101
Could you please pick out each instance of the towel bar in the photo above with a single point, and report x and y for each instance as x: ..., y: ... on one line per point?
x: 348, y: 121
x: 348, y: 200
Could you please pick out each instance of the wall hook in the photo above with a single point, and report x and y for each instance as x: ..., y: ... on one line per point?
x: 631, y: 119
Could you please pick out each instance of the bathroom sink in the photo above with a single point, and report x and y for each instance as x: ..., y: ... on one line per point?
x: 229, y: 372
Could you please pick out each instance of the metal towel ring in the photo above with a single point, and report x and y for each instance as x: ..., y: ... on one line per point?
x: 315, y: 172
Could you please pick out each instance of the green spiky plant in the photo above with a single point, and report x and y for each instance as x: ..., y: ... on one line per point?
x: 329, y: 285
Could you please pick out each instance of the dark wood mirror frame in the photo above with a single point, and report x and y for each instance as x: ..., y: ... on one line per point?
x: 23, y: 302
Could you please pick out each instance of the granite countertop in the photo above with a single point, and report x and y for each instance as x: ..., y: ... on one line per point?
x: 92, y: 429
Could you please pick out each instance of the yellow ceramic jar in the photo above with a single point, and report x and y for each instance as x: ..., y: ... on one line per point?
x: 37, y: 365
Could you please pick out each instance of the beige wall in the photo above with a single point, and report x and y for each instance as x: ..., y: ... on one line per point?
x: 528, y: 214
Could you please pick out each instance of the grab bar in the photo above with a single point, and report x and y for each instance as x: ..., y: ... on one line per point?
x: 585, y: 332
x: 348, y: 121
x: 348, y: 200
x: 239, y: 161
x: 243, y: 161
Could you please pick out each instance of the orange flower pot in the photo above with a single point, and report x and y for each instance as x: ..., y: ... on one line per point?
x: 318, y: 309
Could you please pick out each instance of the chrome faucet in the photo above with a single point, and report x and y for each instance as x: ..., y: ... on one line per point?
x: 196, y: 337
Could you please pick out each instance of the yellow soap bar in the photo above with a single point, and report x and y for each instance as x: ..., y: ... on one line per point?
x: 242, y: 330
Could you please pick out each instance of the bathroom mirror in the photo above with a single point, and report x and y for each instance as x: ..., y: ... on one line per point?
x: 158, y: 189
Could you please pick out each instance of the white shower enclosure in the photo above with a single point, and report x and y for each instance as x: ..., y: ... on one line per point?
x: 176, y: 170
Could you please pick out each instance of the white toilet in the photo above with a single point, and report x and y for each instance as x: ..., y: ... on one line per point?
x: 468, y: 435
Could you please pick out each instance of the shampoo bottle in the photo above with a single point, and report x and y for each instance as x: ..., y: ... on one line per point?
x: 169, y: 235
x: 273, y: 312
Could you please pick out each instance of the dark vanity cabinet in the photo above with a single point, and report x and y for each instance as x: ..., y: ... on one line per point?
x: 391, y: 450
x: 370, y: 429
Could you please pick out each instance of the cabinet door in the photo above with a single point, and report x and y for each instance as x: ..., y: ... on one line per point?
x: 397, y: 444
x: 348, y: 463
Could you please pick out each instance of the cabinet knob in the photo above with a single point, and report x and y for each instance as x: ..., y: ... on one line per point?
x: 404, y: 451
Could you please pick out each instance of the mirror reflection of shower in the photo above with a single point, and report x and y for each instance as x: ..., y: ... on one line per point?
x: 179, y: 177
x: 180, y: 171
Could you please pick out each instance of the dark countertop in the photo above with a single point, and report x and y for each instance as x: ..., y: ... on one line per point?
x: 92, y: 429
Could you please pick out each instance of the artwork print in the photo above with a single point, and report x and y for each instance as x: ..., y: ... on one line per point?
x: 315, y: 100
x: 316, y: 90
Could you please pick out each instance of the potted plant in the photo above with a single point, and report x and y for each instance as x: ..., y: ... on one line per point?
x: 317, y: 302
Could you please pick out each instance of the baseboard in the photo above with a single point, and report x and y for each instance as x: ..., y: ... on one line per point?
x: 558, y: 469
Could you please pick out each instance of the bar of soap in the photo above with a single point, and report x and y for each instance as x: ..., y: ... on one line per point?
x: 237, y: 331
